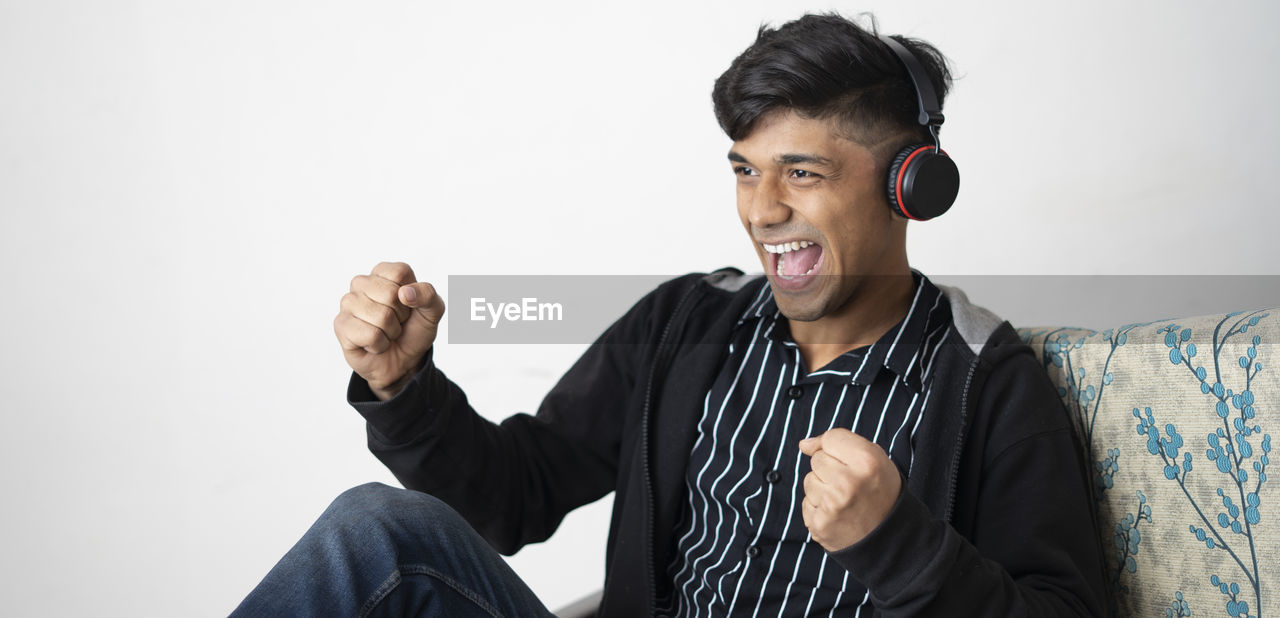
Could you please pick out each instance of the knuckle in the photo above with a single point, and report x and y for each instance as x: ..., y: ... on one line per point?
x: 396, y: 271
x: 356, y: 334
x: 347, y: 327
x: 357, y: 282
x: 865, y: 462
x: 847, y: 436
x: 820, y: 519
x: 813, y: 496
x: 366, y: 336
x: 380, y: 291
x: 384, y: 316
x: 844, y: 488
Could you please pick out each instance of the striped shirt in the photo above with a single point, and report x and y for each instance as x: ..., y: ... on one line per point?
x: 742, y: 547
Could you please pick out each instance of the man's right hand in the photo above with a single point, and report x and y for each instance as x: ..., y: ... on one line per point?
x: 386, y: 324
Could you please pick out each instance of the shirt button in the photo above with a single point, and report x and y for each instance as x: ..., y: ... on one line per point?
x: 753, y: 552
x: 773, y: 476
x: 795, y: 392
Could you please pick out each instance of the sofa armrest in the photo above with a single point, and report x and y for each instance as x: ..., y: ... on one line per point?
x: 582, y: 608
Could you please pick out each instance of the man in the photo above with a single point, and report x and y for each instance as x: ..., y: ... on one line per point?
x: 838, y: 437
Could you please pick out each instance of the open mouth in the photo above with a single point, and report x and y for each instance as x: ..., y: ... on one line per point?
x: 794, y: 259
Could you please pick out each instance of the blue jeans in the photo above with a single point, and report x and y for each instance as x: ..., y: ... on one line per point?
x: 384, y: 551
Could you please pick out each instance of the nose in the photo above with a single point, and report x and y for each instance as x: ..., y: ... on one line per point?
x: 765, y: 206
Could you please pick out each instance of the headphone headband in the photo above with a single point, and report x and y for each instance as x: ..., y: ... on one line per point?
x: 930, y: 112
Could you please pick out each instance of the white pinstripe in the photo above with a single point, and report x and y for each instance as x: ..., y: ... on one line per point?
x: 795, y: 485
x: 729, y: 465
x: 823, y: 569
x: 910, y: 364
x: 795, y: 573
x: 736, y: 512
x: 845, y: 583
x: 903, y: 326
x: 905, y: 418
x: 715, y: 440
x: 758, y: 303
x: 880, y: 422
x: 925, y: 379
x: 768, y: 498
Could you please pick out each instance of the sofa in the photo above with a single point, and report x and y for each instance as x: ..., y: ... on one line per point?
x: 1174, y: 419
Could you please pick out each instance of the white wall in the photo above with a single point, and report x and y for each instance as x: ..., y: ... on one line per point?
x: 187, y: 187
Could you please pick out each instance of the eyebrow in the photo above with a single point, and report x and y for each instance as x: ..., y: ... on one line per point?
x: 787, y: 159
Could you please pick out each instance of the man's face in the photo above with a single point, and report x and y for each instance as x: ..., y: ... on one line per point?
x: 799, y: 183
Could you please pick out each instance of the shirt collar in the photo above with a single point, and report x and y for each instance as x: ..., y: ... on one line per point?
x: 906, y: 349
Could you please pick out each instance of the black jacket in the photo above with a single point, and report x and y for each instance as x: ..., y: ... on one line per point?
x: 996, y: 519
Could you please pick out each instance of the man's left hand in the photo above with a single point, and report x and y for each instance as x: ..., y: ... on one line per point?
x: 851, y: 489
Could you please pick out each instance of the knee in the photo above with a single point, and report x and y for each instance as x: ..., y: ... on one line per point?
x: 367, y: 496
x: 376, y: 502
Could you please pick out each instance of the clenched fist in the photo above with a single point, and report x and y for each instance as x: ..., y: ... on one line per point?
x: 386, y: 324
x: 851, y: 489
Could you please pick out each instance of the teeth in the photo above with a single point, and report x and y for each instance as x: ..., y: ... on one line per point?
x: 786, y: 247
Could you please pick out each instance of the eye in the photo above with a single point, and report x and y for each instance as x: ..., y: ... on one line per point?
x: 805, y: 177
x: 743, y: 170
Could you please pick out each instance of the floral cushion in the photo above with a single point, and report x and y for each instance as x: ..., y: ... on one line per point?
x: 1174, y: 417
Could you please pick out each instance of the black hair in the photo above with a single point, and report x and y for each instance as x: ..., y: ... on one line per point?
x: 826, y: 66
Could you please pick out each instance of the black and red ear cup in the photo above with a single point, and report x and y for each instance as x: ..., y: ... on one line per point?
x: 923, y: 182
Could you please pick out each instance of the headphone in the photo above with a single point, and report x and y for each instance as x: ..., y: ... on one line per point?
x: 923, y: 180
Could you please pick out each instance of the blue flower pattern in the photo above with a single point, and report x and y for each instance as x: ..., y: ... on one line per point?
x: 1083, y: 401
x: 1127, y: 541
x: 1178, y: 608
x: 1231, y: 450
x: 1237, y: 453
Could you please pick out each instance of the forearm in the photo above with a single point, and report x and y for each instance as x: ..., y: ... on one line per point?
x: 433, y: 441
x: 513, y: 481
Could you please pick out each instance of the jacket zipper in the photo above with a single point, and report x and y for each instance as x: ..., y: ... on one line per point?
x: 660, y: 363
x: 961, y: 435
